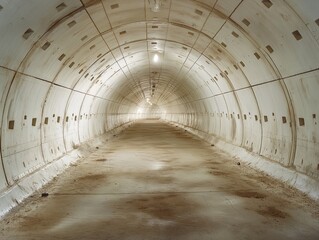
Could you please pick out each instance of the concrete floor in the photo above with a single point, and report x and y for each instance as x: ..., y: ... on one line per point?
x: 155, y: 181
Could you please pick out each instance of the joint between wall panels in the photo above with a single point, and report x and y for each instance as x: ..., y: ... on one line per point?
x: 290, y: 108
x: 3, y: 127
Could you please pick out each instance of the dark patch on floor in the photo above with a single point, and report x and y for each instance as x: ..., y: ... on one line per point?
x: 101, y: 160
x: 154, y: 178
x: 249, y: 194
x: 218, y: 173
x: 92, y: 177
x: 272, y: 212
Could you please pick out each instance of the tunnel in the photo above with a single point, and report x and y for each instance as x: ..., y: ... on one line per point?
x: 240, y: 75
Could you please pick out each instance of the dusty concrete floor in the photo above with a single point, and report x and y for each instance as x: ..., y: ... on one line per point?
x: 155, y: 181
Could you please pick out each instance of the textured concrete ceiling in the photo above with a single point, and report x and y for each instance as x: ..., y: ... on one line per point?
x: 106, y: 48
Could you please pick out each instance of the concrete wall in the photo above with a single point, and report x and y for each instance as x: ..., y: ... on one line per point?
x: 267, y: 98
x: 241, y: 74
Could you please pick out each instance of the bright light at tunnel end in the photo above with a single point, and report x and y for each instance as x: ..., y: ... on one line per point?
x: 149, y: 101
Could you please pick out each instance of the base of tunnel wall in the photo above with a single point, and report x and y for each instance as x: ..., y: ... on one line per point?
x: 288, y: 176
x: 30, y: 184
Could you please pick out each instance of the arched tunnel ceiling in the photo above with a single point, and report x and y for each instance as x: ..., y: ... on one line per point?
x: 240, y: 73
x: 205, y: 48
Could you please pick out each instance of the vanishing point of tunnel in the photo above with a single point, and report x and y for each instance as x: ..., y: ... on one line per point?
x: 159, y: 119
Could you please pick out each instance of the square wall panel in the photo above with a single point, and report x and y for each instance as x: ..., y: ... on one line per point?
x: 130, y: 33
x: 197, y: 14
x: 121, y: 12
x: 157, y: 30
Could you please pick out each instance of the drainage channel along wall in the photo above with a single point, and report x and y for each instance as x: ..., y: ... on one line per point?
x: 242, y: 74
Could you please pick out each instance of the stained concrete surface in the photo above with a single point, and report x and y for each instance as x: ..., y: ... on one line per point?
x: 155, y: 181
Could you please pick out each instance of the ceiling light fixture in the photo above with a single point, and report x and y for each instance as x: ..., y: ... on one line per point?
x: 155, y: 5
x: 155, y: 58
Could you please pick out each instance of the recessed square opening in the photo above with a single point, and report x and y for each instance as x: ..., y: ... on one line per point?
x: 1, y: 7
x: 245, y: 116
x: 199, y: 12
x: 67, y: 119
x: 34, y: 121
x: 235, y: 34
x: 93, y: 46
x: 11, y: 124
x: 154, y: 26
x: 46, y: 120
x: 58, y: 119
x: 256, y: 117
x: 27, y: 33
x: 83, y: 38
x: 60, y: 7
x: 297, y: 35
x: 235, y: 66
x: 270, y: 49
x: 71, y: 24
x: 257, y: 55
x: 115, y: 6
x: 301, y: 122
x: 71, y: 64
x: 242, y: 63
x: 122, y: 32
x: 284, y: 120
x: 61, y: 57
x: 317, y: 21
x: 246, y: 22
x: 46, y: 46
x: 267, y: 3
x: 191, y: 33
x: 266, y: 118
